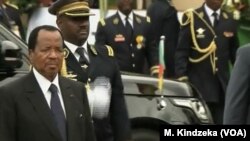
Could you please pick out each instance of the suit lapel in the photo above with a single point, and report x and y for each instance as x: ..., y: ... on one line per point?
x: 38, y: 101
x: 68, y: 96
x: 121, y: 28
x: 206, y: 16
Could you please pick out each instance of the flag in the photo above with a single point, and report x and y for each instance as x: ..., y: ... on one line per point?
x: 161, y: 63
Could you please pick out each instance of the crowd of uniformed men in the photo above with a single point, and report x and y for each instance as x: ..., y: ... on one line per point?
x: 197, y: 48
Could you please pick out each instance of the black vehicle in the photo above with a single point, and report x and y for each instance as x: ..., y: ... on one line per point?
x: 178, y: 104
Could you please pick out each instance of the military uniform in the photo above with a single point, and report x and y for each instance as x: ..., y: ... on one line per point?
x: 99, y: 71
x: 102, y: 64
x: 203, y: 53
x: 131, y: 54
x: 12, y: 19
x: 164, y: 21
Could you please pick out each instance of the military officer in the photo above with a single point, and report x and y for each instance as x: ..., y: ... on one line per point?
x: 96, y: 67
x: 207, y: 42
x: 130, y: 37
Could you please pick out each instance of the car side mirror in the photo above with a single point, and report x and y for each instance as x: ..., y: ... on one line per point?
x: 10, y: 55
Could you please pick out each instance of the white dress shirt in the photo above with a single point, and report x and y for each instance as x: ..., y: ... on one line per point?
x: 123, y: 18
x: 45, y: 84
x: 210, y: 13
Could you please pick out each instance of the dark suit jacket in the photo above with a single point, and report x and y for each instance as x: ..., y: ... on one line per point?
x: 26, y: 116
x: 116, y: 126
x: 130, y: 55
x: 212, y: 86
x: 164, y: 21
x: 238, y: 90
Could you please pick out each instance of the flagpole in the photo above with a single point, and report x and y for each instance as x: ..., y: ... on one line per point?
x: 103, y: 5
x: 161, y: 64
x: 161, y: 102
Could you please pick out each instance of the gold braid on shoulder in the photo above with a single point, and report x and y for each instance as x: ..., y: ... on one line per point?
x: 63, y: 72
x: 208, y: 51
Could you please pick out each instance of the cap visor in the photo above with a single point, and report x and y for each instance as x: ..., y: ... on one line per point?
x: 78, y: 14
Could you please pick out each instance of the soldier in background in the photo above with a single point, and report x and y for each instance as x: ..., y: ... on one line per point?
x: 164, y: 21
x: 207, y: 42
x: 10, y: 17
x: 130, y: 37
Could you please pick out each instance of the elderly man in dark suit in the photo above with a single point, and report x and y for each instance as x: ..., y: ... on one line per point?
x: 238, y: 95
x: 207, y: 42
x: 130, y: 36
x: 43, y: 106
x: 94, y: 66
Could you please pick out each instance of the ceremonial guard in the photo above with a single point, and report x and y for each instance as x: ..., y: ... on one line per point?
x: 130, y: 37
x: 94, y: 66
x: 207, y: 42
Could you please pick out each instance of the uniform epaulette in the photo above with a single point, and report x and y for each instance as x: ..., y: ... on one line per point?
x: 93, y: 50
x: 12, y: 5
x: 102, y: 21
x: 201, y: 14
x: 115, y: 21
x: 110, y: 50
x: 148, y: 19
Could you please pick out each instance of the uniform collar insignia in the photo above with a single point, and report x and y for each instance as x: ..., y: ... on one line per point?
x: 102, y: 22
x: 148, y: 19
x: 201, y: 14
x: 225, y: 16
x: 116, y: 21
x: 66, y: 52
x: 138, y: 20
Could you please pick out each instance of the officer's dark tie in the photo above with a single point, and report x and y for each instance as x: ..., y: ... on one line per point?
x: 57, y: 111
x: 129, y: 29
x: 83, y: 60
x: 216, y: 20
